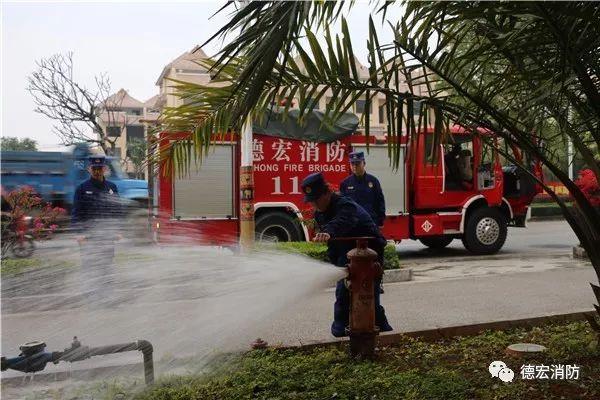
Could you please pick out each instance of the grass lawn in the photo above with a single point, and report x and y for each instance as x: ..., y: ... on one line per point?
x: 448, y: 369
x: 11, y: 266
x: 14, y: 266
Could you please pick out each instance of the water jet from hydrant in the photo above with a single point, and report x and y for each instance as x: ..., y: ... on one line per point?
x: 191, y: 302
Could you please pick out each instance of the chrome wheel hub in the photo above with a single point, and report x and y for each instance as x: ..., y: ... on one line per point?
x: 487, y: 231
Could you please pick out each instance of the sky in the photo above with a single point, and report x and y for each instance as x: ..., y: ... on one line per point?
x: 129, y: 41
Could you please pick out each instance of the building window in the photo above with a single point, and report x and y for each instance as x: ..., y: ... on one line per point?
x: 382, y: 115
x: 117, y: 152
x: 188, y: 100
x: 135, y: 132
x: 416, y: 108
x: 359, y: 106
x: 134, y: 111
x: 113, y: 131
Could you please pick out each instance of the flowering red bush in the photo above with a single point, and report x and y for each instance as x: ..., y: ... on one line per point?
x: 588, y: 184
x: 24, y: 202
x: 44, y: 223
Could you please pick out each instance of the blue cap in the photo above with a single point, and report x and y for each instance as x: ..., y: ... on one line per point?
x: 97, y: 161
x: 357, y: 156
x: 314, y: 186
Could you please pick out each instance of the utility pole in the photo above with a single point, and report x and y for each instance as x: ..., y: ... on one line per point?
x: 569, y: 147
x: 570, y: 157
x: 246, y: 187
x: 150, y: 140
x: 246, y: 181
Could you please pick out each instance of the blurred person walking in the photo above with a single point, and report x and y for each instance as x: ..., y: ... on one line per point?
x: 94, y: 217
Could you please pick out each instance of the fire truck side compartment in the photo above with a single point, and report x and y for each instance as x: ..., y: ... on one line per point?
x: 207, y: 190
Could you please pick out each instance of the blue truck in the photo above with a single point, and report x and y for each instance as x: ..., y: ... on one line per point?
x: 55, y: 175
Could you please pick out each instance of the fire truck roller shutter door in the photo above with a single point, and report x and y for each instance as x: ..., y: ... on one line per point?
x: 207, y: 190
x: 278, y: 226
x: 392, y: 182
x: 485, y: 231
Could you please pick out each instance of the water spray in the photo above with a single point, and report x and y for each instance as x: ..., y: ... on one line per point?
x: 33, y: 357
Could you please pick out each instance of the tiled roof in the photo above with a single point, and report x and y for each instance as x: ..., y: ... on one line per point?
x: 186, y: 61
x: 155, y: 102
x: 122, y: 99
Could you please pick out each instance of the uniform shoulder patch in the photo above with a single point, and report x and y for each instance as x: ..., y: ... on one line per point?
x: 371, y: 184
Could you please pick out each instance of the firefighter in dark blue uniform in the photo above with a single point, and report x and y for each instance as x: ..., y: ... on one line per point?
x: 96, y: 198
x: 96, y: 211
x: 337, y: 216
x: 364, y: 188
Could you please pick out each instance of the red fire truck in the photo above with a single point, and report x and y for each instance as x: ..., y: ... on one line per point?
x: 453, y: 190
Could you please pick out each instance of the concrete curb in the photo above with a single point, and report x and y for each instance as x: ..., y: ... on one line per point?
x: 546, y: 212
x: 547, y: 218
x: 549, y: 212
x: 397, y: 275
x: 475, y: 329
x: 430, y: 335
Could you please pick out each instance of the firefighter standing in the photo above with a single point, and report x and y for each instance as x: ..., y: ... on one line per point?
x: 96, y: 210
x: 337, y: 216
x: 364, y: 188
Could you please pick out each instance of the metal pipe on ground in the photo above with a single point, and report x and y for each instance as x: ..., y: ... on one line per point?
x: 79, y: 353
x: 34, y: 358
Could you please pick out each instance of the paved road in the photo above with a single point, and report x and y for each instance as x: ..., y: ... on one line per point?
x: 412, y: 306
x: 543, y: 245
x: 174, y: 308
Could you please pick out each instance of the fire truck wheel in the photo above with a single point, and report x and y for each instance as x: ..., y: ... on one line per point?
x: 277, y: 227
x: 436, y: 242
x: 485, y: 231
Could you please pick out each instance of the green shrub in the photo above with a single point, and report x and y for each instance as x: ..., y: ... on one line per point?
x: 391, y: 260
x: 318, y: 251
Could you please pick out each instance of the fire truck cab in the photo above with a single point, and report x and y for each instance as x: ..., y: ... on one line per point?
x: 456, y: 189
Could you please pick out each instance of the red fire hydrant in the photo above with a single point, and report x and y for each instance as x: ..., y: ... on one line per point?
x: 363, y: 270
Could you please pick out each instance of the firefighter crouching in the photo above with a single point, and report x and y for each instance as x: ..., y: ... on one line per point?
x: 336, y: 217
x: 95, y: 214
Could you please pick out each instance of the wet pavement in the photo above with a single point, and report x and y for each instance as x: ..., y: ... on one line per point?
x: 534, y: 275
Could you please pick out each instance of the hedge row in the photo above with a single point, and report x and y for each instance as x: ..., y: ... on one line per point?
x: 318, y: 251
